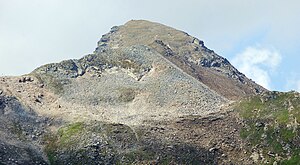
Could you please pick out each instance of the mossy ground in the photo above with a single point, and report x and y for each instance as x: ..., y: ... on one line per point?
x: 65, y: 134
x: 271, y: 124
x: 63, y: 139
x: 116, y: 144
x: 79, y: 142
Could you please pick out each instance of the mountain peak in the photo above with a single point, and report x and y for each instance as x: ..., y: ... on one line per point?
x: 141, y: 21
x: 188, y: 53
x: 141, y: 32
x: 150, y: 90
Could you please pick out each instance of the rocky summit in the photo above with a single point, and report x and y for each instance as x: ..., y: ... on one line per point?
x: 148, y: 94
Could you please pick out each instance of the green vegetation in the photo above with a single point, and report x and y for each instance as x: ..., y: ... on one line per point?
x: 295, y: 160
x: 271, y: 123
x: 51, y: 147
x: 65, y: 134
x: 104, y: 143
x: 64, y: 139
x: 75, y: 142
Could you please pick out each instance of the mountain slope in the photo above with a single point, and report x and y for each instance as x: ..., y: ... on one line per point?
x: 148, y: 94
x: 185, y: 51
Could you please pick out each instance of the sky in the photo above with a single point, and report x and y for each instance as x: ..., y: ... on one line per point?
x: 260, y: 38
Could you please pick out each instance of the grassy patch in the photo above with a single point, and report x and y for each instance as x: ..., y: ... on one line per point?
x: 295, y: 160
x: 66, y: 133
x: 79, y: 142
x: 64, y: 139
x: 51, y: 147
x: 106, y: 143
x: 271, y: 122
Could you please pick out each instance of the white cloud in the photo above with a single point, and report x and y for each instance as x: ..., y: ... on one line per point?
x: 257, y: 64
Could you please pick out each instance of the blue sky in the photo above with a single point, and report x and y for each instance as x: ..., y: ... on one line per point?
x: 260, y: 38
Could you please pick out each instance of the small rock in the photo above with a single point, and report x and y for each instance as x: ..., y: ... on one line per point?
x: 212, y: 149
x: 21, y: 80
x: 114, y: 29
x: 40, y: 95
x: 30, y: 79
x: 25, y: 79
x: 170, y: 147
x: 255, y: 157
x: 259, y: 124
x: 38, y: 100
x: 271, y: 154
